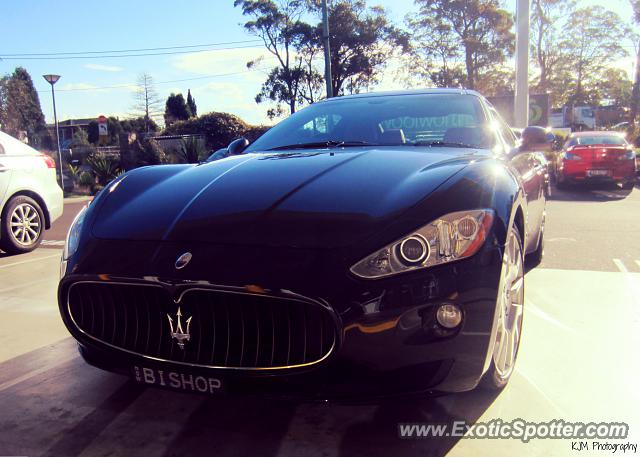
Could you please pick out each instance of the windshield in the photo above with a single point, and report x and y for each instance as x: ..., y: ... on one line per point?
x: 599, y: 139
x: 423, y: 119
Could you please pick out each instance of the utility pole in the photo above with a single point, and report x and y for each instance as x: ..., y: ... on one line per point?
x: 521, y: 105
x: 635, y: 94
x: 327, y: 50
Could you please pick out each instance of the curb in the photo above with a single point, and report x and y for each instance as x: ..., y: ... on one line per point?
x: 78, y: 199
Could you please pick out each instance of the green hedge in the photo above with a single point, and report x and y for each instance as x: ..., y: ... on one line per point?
x: 219, y: 129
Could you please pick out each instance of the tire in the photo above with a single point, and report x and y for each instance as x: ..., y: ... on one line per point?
x: 561, y: 183
x: 509, y: 313
x: 21, y: 226
x: 534, y: 259
x: 629, y: 184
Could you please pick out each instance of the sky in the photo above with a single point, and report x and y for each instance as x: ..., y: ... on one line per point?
x: 216, y: 74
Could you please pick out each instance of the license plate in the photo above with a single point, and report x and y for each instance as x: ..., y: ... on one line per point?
x: 598, y: 173
x: 185, y: 382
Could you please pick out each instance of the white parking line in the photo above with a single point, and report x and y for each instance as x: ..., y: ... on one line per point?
x: 32, y: 373
x: 29, y: 261
x: 541, y: 392
x: 52, y: 243
x: 541, y: 314
x: 26, y: 284
x: 620, y: 265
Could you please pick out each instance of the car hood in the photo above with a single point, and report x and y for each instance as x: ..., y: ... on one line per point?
x: 310, y: 199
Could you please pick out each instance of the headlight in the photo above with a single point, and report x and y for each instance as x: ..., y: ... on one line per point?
x: 73, y: 237
x: 452, y: 237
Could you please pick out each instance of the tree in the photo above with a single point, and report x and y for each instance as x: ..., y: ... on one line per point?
x: 176, y: 109
x: 139, y: 126
x: 219, y: 129
x: 546, y: 18
x: 591, y: 41
x: 147, y: 102
x: 635, y: 97
x: 496, y: 81
x: 191, y: 104
x: 474, y: 32
x: 615, y: 88
x: 3, y: 103
x: 362, y: 40
x: 278, y: 23
x: 433, y: 51
x: 20, y: 109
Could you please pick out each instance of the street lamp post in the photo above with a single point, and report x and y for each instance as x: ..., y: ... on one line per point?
x: 52, y: 79
x: 521, y: 108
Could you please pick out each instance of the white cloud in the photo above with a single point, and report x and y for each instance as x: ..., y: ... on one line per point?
x: 77, y: 86
x: 237, y: 97
x: 235, y: 89
x: 220, y: 62
x: 99, y: 67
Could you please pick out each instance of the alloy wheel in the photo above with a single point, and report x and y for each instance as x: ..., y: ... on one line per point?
x: 25, y: 224
x: 510, y: 304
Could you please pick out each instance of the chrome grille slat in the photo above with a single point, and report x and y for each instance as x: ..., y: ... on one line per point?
x: 273, y: 336
x: 226, y: 313
x: 137, y: 325
x: 242, y: 337
x: 288, y: 335
x: 114, y: 307
x: 148, y: 314
x: 233, y: 330
x: 161, y: 325
x: 255, y: 364
x: 102, y: 312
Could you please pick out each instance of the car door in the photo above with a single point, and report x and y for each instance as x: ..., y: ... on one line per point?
x: 532, y: 175
x: 5, y: 172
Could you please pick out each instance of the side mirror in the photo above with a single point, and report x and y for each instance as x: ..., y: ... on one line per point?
x: 237, y: 146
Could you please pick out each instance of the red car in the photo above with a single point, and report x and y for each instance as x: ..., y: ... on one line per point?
x: 596, y: 156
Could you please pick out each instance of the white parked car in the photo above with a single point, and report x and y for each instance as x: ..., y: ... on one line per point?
x: 30, y: 198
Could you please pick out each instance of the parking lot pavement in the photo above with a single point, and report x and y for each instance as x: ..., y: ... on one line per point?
x: 54, y: 238
x: 29, y: 315
x: 593, y: 228
x: 578, y: 362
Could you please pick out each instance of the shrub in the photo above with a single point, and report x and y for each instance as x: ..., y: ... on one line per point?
x: 255, y: 132
x: 192, y: 150
x: 86, y: 179
x: 104, y: 167
x: 147, y: 152
x: 74, y: 171
x: 219, y: 129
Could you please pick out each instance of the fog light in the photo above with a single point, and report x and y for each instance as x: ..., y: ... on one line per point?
x: 449, y: 316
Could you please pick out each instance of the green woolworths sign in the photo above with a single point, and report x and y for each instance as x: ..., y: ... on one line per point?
x: 538, y: 108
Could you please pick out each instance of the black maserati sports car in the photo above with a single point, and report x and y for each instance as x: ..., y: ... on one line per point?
x: 367, y: 245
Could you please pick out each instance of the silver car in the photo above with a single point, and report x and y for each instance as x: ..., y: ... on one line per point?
x: 30, y: 198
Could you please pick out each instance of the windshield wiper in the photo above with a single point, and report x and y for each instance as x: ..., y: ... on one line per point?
x: 445, y: 144
x: 321, y: 144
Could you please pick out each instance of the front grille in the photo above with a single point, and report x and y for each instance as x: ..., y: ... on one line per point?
x: 227, y: 329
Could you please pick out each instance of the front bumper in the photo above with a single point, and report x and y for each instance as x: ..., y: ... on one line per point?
x: 388, y: 341
x: 54, y: 201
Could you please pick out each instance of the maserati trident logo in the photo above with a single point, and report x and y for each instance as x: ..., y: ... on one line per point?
x: 183, y: 260
x: 178, y: 333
